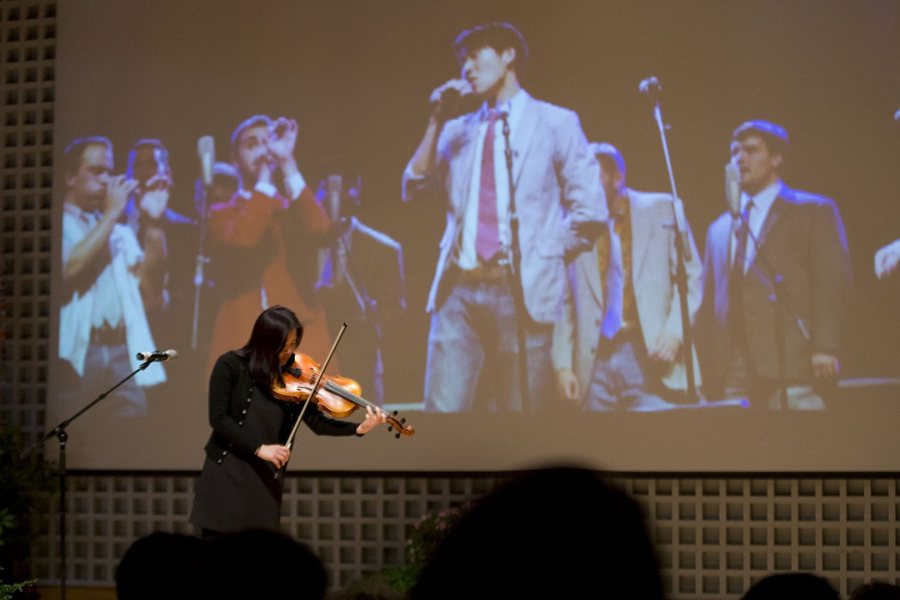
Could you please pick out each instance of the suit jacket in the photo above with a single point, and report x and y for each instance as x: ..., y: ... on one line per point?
x: 558, y: 197
x: 802, y: 240
x: 230, y: 393
x: 269, y: 243
x: 576, y: 336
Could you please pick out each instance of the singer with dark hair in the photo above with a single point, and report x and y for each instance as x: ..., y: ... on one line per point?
x: 168, y: 238
x: 618, y: 345
x: 267, y: 236
x: 558, y: 201
x: 103, y: 323
x: 237, y: 488
x: 777, y: 274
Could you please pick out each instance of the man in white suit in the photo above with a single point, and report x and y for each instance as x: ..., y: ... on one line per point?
x: 559, y: 203
x: 618, y: 345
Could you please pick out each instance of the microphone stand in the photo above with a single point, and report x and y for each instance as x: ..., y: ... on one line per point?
x: 59, y: 432
x: 683, y: 252
x: 515, y: 260
x: 368, y: 307
x: 202, y: 259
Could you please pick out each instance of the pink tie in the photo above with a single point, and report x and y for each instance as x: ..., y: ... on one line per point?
x: 487, y: 241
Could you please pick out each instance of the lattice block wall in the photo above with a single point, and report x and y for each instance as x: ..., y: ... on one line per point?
x: 27, y: 55
x: 715, y: 536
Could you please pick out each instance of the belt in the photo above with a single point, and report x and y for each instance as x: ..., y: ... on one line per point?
x: 108, y: 336
x: 495, y: 270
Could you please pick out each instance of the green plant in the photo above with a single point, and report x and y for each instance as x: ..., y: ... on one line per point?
x: 22, y: 482
x: 8, y: 589
x: 424, y: 539
x: 394, y: 583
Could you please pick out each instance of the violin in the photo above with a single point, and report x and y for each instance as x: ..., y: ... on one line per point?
x: 337, y: 396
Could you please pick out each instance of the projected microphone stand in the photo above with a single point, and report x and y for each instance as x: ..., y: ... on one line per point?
x: 59, y: 432
x: 782, y: 302
x: 516, y: 264
x: 682, y: 247
x: 201, y: 261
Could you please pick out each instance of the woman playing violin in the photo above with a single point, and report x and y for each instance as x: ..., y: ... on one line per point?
x: 237, y: 488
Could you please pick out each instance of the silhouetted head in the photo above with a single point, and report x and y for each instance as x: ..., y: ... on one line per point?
x: 158, y: 565
x: 791, y: 586
x: 259, y: 563
x: 555, y: 532
x: 876, y: 590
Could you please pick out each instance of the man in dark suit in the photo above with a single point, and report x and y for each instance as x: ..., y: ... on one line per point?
x: 474, y: 301
x: 363, y: 281
x: 777, y: 273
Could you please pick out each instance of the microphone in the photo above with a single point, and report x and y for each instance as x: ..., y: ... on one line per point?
x: 206, y: 150
x: 651, y: 87
x: 733, y: 190
x: 453, y: 102
x: 333, y: 191
x: 157, y: 355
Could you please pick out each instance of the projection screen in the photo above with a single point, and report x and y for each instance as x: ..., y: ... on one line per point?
x: 156, y: 78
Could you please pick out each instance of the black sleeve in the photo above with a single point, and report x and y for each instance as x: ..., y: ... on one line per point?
x: 223, y: 380
x: 323, y: 425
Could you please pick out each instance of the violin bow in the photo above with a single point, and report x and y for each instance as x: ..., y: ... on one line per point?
x: 312, y: 394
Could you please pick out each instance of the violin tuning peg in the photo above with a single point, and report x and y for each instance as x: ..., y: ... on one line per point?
x: 397, y: 436
x: 394, y: 414
x: 403, y: 420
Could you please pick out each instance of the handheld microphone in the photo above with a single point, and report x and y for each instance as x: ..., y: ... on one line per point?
x: 206, y: 150
x: 453, y: 102
x: 333, y: 191
x: 733, y: 190
x: 651, y: 87
x: 157, y: 355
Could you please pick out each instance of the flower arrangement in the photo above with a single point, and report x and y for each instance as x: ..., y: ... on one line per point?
x: 394, y: 583
x: 428, y: 533
x: 423, y: 540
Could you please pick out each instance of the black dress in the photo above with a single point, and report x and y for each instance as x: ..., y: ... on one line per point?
x: 238, y: 490
x: 243, y: 493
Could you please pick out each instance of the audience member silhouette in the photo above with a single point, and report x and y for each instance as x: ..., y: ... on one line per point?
x: 158, y: 565
x: 876, y: 590
x: 554, y: 532
x: 259, y: 563
x: 791, y: 586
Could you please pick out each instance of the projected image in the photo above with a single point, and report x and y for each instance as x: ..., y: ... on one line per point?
x: 514, y: 230
x: 138, y: 271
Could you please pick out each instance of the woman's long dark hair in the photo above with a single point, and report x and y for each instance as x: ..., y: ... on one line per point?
x: 270, y: 332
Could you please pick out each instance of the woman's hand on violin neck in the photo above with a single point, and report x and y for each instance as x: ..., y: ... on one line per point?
x: 274, y: 453
x: 373, y: 419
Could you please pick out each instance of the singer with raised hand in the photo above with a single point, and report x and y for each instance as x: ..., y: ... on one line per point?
x: 468, y: 162
x: 237, y: 488
x: 267, y: 235
x: 103, y: 322
x: 168, y: 239
x: 777, y: 274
